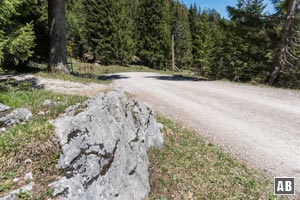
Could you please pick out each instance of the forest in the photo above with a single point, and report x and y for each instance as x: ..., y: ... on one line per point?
x: 252, y: 45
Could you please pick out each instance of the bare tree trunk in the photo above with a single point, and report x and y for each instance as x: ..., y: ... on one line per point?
x: 283, y: 44
x: 58, y: 38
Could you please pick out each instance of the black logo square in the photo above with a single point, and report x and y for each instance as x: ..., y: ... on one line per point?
x: 284, y: 186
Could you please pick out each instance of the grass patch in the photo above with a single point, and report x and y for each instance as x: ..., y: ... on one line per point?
x: 189, y: 168
x: 33, y: 140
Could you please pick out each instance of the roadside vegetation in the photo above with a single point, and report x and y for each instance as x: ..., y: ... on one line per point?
x: 190, y: 168
x: 31, y: 147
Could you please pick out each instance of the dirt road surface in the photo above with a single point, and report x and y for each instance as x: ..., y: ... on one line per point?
x: 259, y: 125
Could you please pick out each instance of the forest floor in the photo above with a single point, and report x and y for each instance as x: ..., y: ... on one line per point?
x: 257, y: 124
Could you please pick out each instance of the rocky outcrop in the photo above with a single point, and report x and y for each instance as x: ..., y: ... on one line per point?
x: 10, y: 117
x: 104, y: 144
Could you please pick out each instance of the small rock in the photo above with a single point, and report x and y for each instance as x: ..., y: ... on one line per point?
x: 2, y: 129
x: 160, y: 126
x: 48, y: 103
x: 15, y: 180
x: 13, y: 194
x: 28, y: 161
x: 28, y: 176
x: 17, y: 116
x: 3, y: 107
x: 41, y: 113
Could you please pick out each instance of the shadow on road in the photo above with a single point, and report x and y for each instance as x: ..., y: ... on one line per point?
x: 19, y: 81
x: 177, y: 78
x: 111, y: 77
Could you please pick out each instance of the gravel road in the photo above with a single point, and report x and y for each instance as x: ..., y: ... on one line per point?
x: 258, y: 125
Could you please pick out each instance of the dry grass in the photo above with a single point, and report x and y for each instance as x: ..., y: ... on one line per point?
x: 189, y: 168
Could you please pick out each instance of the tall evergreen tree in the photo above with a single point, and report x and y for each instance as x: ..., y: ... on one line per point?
x: 254, y: 51
x: 154, y: 45
x: 110, y: 31
x: 183, y: 37
x: 194, y: 21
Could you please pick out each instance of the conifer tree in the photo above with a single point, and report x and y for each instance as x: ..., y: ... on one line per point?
x: 154, y: 45
x: 254, y: 51
x: 17, y: 37
x: 110, y: 31
x: 183, y: 37
x: 194, y: 20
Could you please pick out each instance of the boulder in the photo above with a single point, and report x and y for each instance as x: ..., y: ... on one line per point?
x: 104, y: 149
x: 3, y: 107
x: 17, y: 116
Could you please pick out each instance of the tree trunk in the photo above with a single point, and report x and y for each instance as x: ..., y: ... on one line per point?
x: 58, y: 39
x: 283, y: 44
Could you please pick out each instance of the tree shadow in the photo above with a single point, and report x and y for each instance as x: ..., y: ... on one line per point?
x: 177, y: 78
x: 19, y: 81
x: 111, y: 77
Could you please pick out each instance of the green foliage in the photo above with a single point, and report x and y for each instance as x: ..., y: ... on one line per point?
x: 234, y: 52
x: 75, y: 23
x: 183, y: 37
x: 154, y: 41
x: 20, y: 43
x: 110, y: 31
x: 252, y: 51
x: 205, y: 35
x: 17, y: 37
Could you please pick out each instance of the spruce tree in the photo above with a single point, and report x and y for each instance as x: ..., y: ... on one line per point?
x: 183, y: 37
x: 254, y: 51
x: 154, y: 45
x: 110, y: 31
x: 17, y: 37
x: 194, y: 20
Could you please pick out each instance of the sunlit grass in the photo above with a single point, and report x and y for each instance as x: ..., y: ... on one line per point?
x: 189, y: 168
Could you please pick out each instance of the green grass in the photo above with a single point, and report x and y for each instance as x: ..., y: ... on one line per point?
x: 33, y: 140
x: 189, y: 168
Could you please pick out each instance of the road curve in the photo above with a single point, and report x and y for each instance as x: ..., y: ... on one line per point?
x: 259, y: 125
